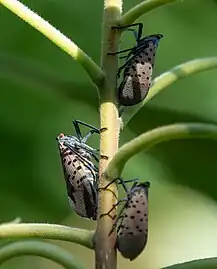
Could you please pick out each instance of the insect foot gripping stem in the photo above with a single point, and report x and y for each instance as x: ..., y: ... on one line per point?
x: 132, y: 220
x: 138, y: 67
x: 81, y: 175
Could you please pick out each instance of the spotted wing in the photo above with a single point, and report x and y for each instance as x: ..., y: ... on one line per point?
x: 133, y: 229
x: 79, y: 178
x: 137, y: 76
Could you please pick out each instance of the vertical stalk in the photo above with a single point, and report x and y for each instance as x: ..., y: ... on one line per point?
x: 105, y: 244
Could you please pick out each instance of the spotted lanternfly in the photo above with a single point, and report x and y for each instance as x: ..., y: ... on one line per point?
x: 132, y: 221
x: 133, y: 229
x: 80, y: 172
x: 138, y: 67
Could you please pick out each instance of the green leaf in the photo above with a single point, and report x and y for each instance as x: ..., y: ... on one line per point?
x: 210, y: 263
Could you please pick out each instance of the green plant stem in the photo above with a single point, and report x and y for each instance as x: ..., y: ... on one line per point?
x: 142, y: 8
x: 47, y: 231
x: 41, y: 249
x: 168, y: 78
x: 16, y: 220
x: 105, y: 244
x: 156, y: 136
x: 54, y: 35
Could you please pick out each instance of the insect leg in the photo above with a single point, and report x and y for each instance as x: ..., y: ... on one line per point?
x: 93, y: 152
x: 139, y: 24
x: 124, y: 57
x: 78, y: 131
x: 97, y: 151
x: 116, y: 204
x: 105, y: 188
x: 123, y: 183
x: 94, y: 156
x: 111, y: 182
x: 76, y: 122
x: 91, y: 132
x: 129, y: 59
x: 94, y: 130
x: 103, y: 129
x: 120, y: 215
x: 137, y: 33
x: 121, y: 51
x: 122, y: 67
x: 135, y: 180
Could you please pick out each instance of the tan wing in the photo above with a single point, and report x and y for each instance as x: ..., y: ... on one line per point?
x: 137, y: 77
x: 79, y: 180
x: 133, y: 232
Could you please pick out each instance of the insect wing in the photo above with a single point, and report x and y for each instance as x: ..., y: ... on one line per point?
x: 80, y: 180
x: 84, y: 152
x: 134, y: 88
x: 133, y: 229
x: 138, y: 73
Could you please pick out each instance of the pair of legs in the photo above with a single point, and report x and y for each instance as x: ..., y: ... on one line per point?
x: 84, y: 139
x: 122, y: 182
x: 137, y: 34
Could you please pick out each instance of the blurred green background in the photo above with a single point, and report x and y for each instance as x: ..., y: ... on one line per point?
x: 42, y: 89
